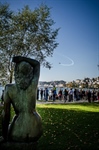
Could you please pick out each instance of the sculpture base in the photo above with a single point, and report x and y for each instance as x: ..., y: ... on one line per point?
x: 18, y: 146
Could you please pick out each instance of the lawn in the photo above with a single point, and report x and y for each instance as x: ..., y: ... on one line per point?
x: 69, y: 126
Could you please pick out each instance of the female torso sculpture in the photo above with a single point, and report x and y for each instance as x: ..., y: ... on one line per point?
x: 26, y: 125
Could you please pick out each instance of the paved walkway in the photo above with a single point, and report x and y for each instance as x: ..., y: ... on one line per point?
x: 61, y: 102
x: 58, y: 102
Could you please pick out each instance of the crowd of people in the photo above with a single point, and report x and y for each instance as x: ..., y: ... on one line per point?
x: 69, y: 95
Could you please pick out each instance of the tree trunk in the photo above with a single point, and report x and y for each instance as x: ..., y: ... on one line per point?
x: 11, y: 76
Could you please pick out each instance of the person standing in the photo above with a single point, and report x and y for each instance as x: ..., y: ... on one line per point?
x: 54, y: 93
x: 93, y: 95
x: 75, y: 94
x: 60, y: 94
x: 70, y: 95
x: 38, y: 94
x: 41, y: 93
x: 98, y: 96
x: 46, y: 94
x: 89, y: 96
x: 65, y: 95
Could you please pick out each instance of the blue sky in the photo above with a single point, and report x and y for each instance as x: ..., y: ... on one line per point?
x: 77, y: 55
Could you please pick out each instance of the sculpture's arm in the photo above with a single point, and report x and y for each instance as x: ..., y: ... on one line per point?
x: 6, y: 114
x: 34, y: 63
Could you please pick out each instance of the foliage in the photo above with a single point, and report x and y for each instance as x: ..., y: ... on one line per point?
x: 27, y: 33
x: 68, y: 126
x: 5, y: 40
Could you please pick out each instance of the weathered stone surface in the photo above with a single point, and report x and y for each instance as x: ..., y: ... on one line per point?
x: 26, y: 125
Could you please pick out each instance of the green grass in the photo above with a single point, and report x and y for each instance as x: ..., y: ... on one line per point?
x: 69, y: 126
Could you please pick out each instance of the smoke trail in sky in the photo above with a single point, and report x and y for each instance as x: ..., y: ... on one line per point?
x: 65, y: 64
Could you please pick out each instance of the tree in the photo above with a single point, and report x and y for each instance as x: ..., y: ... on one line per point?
x: 26, y: 33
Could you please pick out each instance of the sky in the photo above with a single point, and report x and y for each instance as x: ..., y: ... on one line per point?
x: 77, y: 54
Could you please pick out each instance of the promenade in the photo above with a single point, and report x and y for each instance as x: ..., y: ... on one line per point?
x: 61, y: 101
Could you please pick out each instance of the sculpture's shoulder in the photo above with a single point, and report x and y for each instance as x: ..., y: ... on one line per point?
x: 7, y: 92
x: 9, y: 87
x: 35, y: 81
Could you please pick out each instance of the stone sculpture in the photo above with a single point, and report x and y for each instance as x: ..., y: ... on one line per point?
x: 26, y: 125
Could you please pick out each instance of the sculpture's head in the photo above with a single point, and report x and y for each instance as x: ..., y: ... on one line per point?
x: 23, y: 75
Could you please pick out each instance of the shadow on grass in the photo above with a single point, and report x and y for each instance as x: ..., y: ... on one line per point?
x: 69, y: 129
x: 75, y: 104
